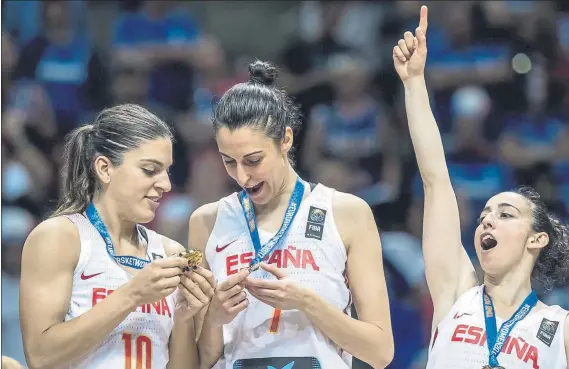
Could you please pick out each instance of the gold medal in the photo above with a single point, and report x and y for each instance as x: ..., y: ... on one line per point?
x: 195, y: 257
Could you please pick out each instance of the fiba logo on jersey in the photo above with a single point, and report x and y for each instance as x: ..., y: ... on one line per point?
x: 547, y: 331
x: 315, y: 223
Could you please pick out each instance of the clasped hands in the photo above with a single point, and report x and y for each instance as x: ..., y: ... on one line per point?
x: 230, y: 298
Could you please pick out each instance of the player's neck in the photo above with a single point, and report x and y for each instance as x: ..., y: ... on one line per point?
x: 119, y: 229
x: 509, y: 290
x: 283, y: 195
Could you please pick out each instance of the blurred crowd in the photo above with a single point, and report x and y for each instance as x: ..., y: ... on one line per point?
x: 498, y: 74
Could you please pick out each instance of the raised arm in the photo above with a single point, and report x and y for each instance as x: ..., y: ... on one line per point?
x: 448, y: 269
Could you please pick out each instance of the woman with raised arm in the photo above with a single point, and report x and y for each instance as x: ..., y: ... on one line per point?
x: 501, y: 323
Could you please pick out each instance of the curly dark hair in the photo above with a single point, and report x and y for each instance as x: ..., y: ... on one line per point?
x: 552, y: 265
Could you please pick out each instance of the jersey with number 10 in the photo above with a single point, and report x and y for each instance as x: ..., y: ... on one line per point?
x: 141, y: 340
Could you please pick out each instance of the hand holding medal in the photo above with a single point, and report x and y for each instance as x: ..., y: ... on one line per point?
x: 196, y: 287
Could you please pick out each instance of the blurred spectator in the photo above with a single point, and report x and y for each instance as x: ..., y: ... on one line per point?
x: 409, y: 297
x: 305, y: 63
x: 23, y: 101
x: 461, y: 58
x: 458, y: 57
x: 354, y: 132
x: 471, y: 164
x: 559, y: 66
x: 536, y: 136
x: 16, y: 225
x: 66, y: 64
x: 561, y: 173
x: 162, y: 39
x: 214, y: 76
x: 28, y: 136
x: 130, y: 85
x: 352, y: 28
x: 24, y: 19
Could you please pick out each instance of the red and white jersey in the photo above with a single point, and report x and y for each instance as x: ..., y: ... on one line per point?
x: 312, y: 252
x: 141, y: 340
x: 536, y: 342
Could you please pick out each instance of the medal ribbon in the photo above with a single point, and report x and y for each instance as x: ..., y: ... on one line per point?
x: 97, y: 222
x: 497, y: 339
x: 290, y: 214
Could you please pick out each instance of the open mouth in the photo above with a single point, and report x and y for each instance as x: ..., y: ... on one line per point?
x: 487, y: 241
x: 255, y: 189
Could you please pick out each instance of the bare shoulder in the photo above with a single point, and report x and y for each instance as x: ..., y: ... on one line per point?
x: 352, y: 215
x: 205, y: 215
x: 201, y: 225
x: 53, y: 239
x: 349, y: 208
x: 171, y: 247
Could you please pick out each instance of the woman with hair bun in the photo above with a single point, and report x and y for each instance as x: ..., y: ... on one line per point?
x: 283, y: 250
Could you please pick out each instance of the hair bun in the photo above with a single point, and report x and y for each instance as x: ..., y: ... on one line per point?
x: 262, y: 73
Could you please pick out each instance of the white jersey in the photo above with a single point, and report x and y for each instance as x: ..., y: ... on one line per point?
x: 141, y: 340
x: 312, y: 253
x: 536, y: 342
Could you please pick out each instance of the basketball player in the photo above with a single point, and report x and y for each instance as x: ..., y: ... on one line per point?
x: 282, y: 250
x: 501, y: 323
x: 97, y: 289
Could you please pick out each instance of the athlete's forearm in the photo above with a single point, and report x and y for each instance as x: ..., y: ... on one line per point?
x: 210, y: 343
x: 64, y: 343
x: 366, y: 341
x: 183, y: 349
x: 425, y: 133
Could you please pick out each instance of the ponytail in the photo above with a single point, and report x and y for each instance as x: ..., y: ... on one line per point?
x: 78, y: 176
x: 115, y: 131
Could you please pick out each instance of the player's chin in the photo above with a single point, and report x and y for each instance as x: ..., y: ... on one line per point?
x: 145, y: 213
x: 492, y: 266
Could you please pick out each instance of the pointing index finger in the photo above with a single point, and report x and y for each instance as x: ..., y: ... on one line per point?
x: 423, y: 19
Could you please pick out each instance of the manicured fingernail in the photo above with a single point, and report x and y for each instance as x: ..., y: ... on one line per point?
x: 186, y: 269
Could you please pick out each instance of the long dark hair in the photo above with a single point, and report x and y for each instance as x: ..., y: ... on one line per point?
x: 552, y: 265
x: 115, y: 131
